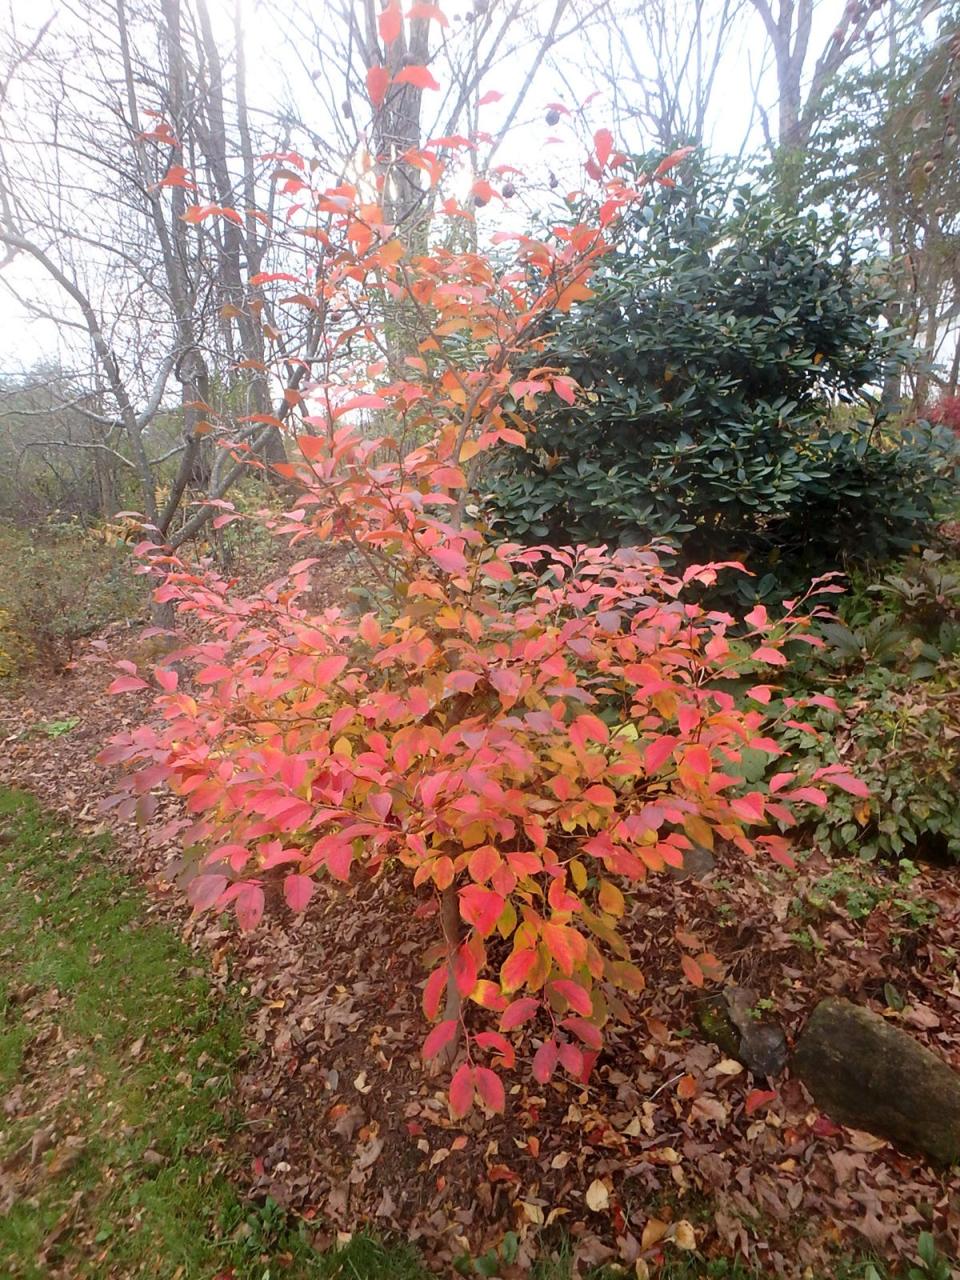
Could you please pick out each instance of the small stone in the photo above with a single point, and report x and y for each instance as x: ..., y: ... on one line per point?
x: 730, y: 1021
x: 698, y: 862
x: 153, y: 1158
x: 868, y: 1074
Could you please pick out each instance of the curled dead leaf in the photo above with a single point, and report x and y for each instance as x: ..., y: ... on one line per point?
x: 683, y: 1235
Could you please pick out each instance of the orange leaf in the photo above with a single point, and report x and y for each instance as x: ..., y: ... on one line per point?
x: 687, y: 1088
x: 378, y: 80
x: 419, y: 77
x: 758, y: 1098
x: 692, y: 970
x: 428, y: 12
x: 603, y: 142
x: 390, y: 23
x: 516, y: 968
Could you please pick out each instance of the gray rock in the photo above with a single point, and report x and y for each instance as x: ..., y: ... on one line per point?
x: 866, y: 1073
x: 730, y: 1021
x: 698, y: 862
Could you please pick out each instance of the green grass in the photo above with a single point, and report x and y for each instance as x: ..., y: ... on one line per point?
x: 113, y: 1044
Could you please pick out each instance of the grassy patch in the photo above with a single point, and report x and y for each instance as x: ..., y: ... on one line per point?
x: 115, y: 1074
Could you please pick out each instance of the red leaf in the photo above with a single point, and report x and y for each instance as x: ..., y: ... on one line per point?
x: 566, y: 388
x: 846, y: 782
x: 338, y: 859
x: 585, y: 1031
x: 494, y: 1040
x: 773, y: 656
x: 390, y: 23
x: 419, y: 77
x: 378, y: 81
x: 545, y: 1061
x: 249, y: 907
x: 480, y: 907
x: 461, y: 1091
x: 812, y: 795
x: 492, y: 95
x: 576, y: 997
x: 759, y: 1098
x: 127, y: 684
x: 439, y: 1038
x: 204, y: 891
x: 520, y: 1011
x: 448, y: 559
x: 328, y: 669
x: 571, y: 1059
x: 658, y: 752
x: 298, y: 890
x: 436, y: 985
x: 490, y: 1088
x: 588, y: 728
x: 366, y: 401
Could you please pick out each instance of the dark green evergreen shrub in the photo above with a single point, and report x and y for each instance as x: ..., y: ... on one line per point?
x: 728, y: 359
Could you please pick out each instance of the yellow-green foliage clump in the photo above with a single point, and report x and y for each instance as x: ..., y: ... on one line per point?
x: 57, y: 585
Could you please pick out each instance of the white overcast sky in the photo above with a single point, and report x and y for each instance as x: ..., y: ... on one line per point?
x: 22, y: 343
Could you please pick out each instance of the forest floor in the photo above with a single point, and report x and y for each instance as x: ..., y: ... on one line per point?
x: 343, y: 1128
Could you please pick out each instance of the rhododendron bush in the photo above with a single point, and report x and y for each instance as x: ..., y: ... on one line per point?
x: 528, y: 732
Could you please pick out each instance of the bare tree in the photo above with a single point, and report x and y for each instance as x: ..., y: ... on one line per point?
x: 800, y: 90
x: 112, y: 122
x: 659, y: 61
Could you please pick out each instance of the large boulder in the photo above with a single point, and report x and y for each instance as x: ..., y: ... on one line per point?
x: 868, y: 1074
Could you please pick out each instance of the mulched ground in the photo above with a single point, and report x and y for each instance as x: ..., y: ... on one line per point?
x: 346, y: 1127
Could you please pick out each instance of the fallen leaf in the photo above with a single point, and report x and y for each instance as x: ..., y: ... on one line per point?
x: 683, y: 1235
x: 653, y: 1232
x: 597, y: 1196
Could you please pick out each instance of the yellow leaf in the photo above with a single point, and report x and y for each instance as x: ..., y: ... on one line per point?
x: 684, y: 1236
x: 611, y: 899
x: 597, y: 1196
x: 653, y: 1233
x: 343, y: 747
x: 508, y: 920
x: 579, y: 874
x: 698, y: 830
x: 666, y: 704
